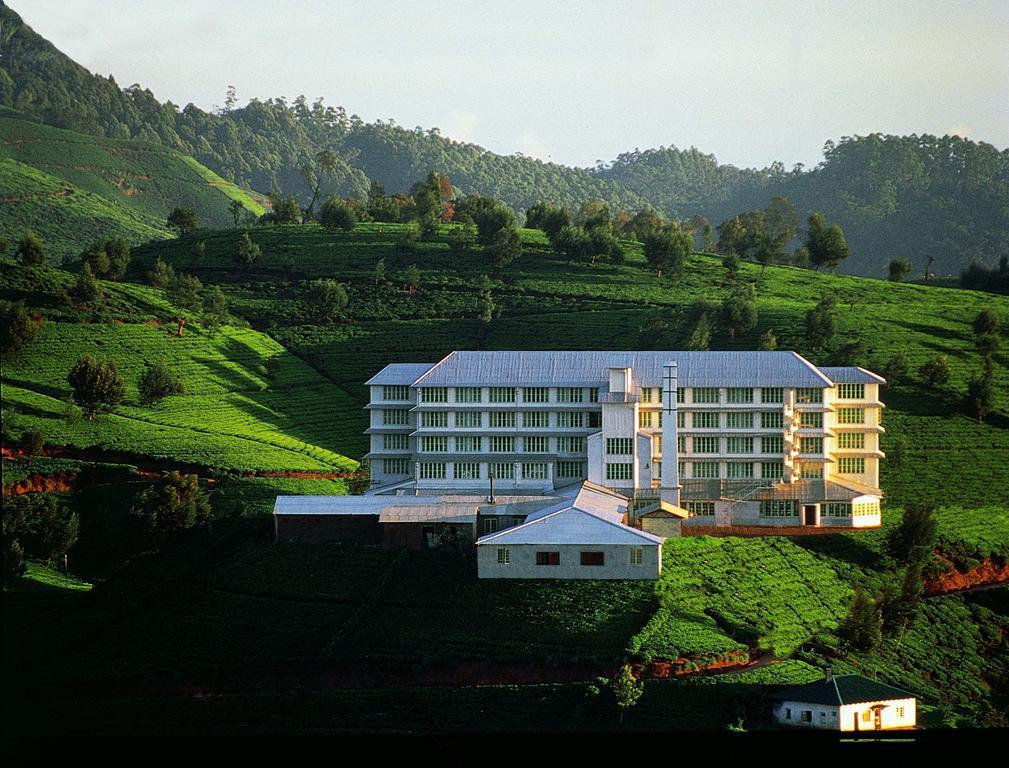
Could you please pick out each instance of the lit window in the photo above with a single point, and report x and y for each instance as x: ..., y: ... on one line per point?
x: 851, y: 415
x: 851, y: 440
x: 851, y: 391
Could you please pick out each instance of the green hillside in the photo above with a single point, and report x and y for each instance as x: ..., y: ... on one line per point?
x: 937, y: 453
x: 73, y: 189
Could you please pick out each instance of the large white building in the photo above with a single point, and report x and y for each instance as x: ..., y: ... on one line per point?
x: 733, y: 438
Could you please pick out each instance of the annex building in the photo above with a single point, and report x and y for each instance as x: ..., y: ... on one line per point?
x: 580, y: 464
x: 845, y: 703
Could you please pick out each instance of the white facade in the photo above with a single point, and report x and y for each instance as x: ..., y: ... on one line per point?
x: 892, y: 713
x: 755, y: 438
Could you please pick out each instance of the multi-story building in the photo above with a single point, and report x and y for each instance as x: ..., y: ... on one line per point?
x: 740, y: 438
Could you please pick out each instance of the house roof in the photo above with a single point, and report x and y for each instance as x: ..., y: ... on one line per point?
x: 569, y: 368
x: 842, y: 689
x: 400, y: 373
x: 851, y: 375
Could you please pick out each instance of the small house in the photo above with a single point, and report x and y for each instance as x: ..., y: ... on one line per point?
x: 845, y: 703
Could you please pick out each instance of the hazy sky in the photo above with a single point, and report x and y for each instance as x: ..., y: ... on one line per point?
x: 574, y: 82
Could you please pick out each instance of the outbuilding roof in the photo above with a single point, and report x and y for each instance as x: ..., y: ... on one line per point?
x: 400, y: 373
x: 842, y: 689
x: 568, y: 368
x: 851, y: 374
x: 571, y: 526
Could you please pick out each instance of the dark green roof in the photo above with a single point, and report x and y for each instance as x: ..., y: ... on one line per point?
x: 842, y: 689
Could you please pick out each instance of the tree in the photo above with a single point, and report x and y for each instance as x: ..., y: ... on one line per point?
x: 488, y: 214
x: 42, y: 527
x: 328, y: 299
x: 899, y: 269
x: 627, y: 689
x: 380, y: 271
x: 739, y: 310
x: 911, y: 543
x: 336, y: 214
x: 32, y: 442
x: 199, y: 253
x: 505, y: 248
x: 323, y: 165
x: 768, y: 341
x: 407, y: 242
x: 17, y: 328
x: 461, y: 239
x: 898, y: 607
x: 97, y: 386
x: 247, y: 253
x: 826, y: 244
x: 161, y: 274
x: 411, y: 276
x: 157, y: 382
x: 936, y: 371
x: 215, y: 308
x: 109, y: 258
x: 730, y: 232
x: 986, y: 328
x: 186, y: 292
x: 699, y: 338
x: 183, y: 219
x: 548, y: 218
x: 86, y: 291
x: 981, y: 393
x: 731, y: 263
x: 283, y: 210
x: 175, y: 504
x: 781, y: 222
x: 574, y: 243
x: 861, y: 628
x: 821, y: 322
x: 31, y: 251
x: 236, y: 209
x: 667, y: 250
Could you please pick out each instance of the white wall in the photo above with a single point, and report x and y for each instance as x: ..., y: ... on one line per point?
x: 523, y: 562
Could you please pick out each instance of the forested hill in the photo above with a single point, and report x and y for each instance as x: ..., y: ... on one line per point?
x: 913, y: 197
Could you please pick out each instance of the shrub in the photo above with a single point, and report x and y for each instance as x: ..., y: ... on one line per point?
x: 157, y: 382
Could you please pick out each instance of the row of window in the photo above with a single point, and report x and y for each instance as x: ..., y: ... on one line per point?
x: 635, y: 556
x: 474, y: 470
x: 509, y: 394
x: 713, y: 444
x: 502, y: 419
x: 493, y: 443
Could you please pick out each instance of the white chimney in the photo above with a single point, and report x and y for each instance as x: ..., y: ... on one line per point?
x: 669, y: 488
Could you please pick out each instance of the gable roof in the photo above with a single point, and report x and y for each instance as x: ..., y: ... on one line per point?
x: 571, y: 525
x: 400, y: 373
x: 572, y: 368
x: 851, y: 374
x: 842, y: 689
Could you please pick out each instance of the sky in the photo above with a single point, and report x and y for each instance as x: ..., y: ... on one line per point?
x: 574, y: 82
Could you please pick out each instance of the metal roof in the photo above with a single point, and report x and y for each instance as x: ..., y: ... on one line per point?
x: 571, y: 526
x: 400, y: 373
x: 342, y: 505
x: 851, y: 374
x: 567, y: 368
x: 842, y: 689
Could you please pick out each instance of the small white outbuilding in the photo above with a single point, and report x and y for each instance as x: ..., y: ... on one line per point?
x: 845, y: 703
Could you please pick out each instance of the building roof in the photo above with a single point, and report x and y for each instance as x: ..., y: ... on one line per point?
x: 571, y: 525
x: 342, y: 505
x: 568, y: 368
x: 400, y: 373
x: 842, y: 689
x: 851, y: 375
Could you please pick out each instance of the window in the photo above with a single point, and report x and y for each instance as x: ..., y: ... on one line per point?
x: 534, y: 470
x: 772, y: 444
x: 591, y: 558
x: 571, y: 445
x: 810, y: 445
x: 772, y: 470
x: 646, y: 394
x: 396, y: 466
x: 707, y: 470
x: 788, y: 713
x: 771, y: 420
x: 593, y: 395
x: 570, y: 394
x: 772, y: 395
x: 646, y: 419
x: 739, y: 395
x: 619, y: 445
x: 467, y: 419
x: 742, y: 420
x: 468, y: 394
x: 809, y: 470
x: 705, y: 445
x: 571, y: 419
x: 836, y: 509
x: 489, y: 524
x: 637, y: 555
x: 706, y: 420
x: 502, y: 444
x: 548, y: 558
x: 851, y: 391
x: 434, y: 444
x: 595, y: 417
x: 502, y: 471
x: 468, y: 444
x: 467, y: 470
x: 434, y: 394
x: 681, y: 419
x: 657, y: 444
x: 535, y: 419
x: 504, y: 556
x: 779, y: 508
x: 395, y: 442
x: 678, y: 415
x: 699, y: 508
x: 499, y: 419
x: 809, y: 395
x: 851, y: 465
x: 810, y: 420
x: 866, y: 715
x: 395, y: 392
x: 681, y: 443
x: 851, y: 440
x: 900, y: 713
x: 806, y: 716
x: 705, y: 394
x: 538, y: 444
x: 681, y: 394
x: 619, y: 471
x: 502, y: 394
x: 434, y: 419
x: 739, y: 470
x: 432, y: 470
x: 570, y: 469
x: 536, y: 395
x: 851, y: 415
x: 865, y: 508
x: 739, y: 445
x: 395, y: 417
